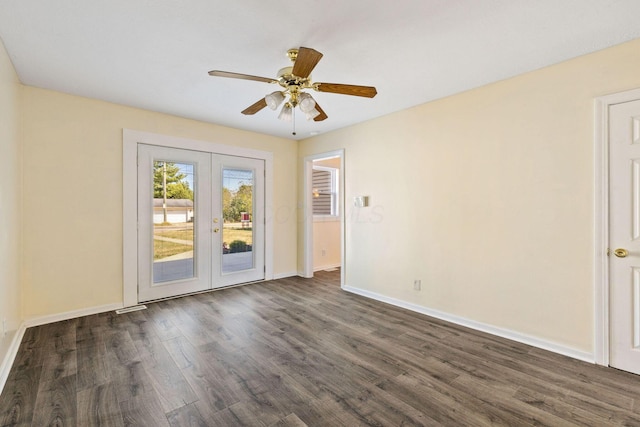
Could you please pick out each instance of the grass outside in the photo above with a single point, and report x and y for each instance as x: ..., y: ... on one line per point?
x: 163, y: 249
x: 186, y: 234
x: 229, y: 234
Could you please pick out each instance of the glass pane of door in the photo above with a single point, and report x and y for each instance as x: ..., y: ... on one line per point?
x: 173, y: 226
x: 237, y: 212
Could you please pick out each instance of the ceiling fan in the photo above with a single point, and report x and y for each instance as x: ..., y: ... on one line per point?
x: 294, y: 80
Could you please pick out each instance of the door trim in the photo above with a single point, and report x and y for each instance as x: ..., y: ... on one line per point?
x: 308, y: 213
x: 601, y: 220
x: 130, y: 140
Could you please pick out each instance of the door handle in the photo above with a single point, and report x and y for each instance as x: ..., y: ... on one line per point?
x: 215, y: 230
x: 621, y: 253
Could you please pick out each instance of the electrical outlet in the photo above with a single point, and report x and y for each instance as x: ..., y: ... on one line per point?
x: 417, y: 285
x: 324, y: 252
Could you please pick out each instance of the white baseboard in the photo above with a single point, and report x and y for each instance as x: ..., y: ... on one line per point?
x: 504, y: 333
x: 301, y: 274
x: 284, y: 275
x: 7, y: 361
x: 51, y: 318
x: 326, y: 267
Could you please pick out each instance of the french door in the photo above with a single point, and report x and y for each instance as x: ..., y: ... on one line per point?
x: 200, y: 221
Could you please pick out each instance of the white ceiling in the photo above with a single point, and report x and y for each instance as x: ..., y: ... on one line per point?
x: 155, y: 54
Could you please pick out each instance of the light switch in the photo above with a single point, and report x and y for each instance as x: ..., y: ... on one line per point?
x: 361, y: 201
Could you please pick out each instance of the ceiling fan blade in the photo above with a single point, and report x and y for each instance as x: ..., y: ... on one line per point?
x: 217, y: 73
x: 366, y: 91
x: 255, y: 107
x: 305, y: 62
x: 320, y: 117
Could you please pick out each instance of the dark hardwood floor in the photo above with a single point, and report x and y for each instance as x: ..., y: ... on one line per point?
x: 296, y: 352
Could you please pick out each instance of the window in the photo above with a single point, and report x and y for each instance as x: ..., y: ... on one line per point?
x: 325, y: 191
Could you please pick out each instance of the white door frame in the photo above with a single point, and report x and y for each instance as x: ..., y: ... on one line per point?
x: 130, y: 140
x: 308, y: 212
x: 601, y: 219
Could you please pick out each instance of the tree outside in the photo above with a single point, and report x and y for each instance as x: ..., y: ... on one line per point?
x: 172, y: 181
x: 233, y: 203
x: 169, y: 174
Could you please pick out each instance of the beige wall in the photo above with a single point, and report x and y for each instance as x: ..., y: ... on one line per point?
x: 487, y: 197
x: 326, y: 243
x: 10, y: 202
x: 72, y: 150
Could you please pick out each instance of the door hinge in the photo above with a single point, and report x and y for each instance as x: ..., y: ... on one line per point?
x: 608, y: 252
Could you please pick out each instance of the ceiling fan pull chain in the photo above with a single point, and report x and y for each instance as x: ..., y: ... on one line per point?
x: 294, y: 122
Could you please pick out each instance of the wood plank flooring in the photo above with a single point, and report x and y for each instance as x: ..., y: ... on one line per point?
x: 298, y: 352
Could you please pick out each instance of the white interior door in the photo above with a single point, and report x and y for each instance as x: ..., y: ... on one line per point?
x: 200, y: 221
x: 624, y: 214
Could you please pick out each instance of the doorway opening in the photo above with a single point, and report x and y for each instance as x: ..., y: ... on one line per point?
x: 324, y: 234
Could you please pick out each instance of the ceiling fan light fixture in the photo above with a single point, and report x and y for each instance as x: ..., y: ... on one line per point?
x: 312, y: 114
x: 274, y: 99
x: 286, y: 114
x: 307, y: 103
